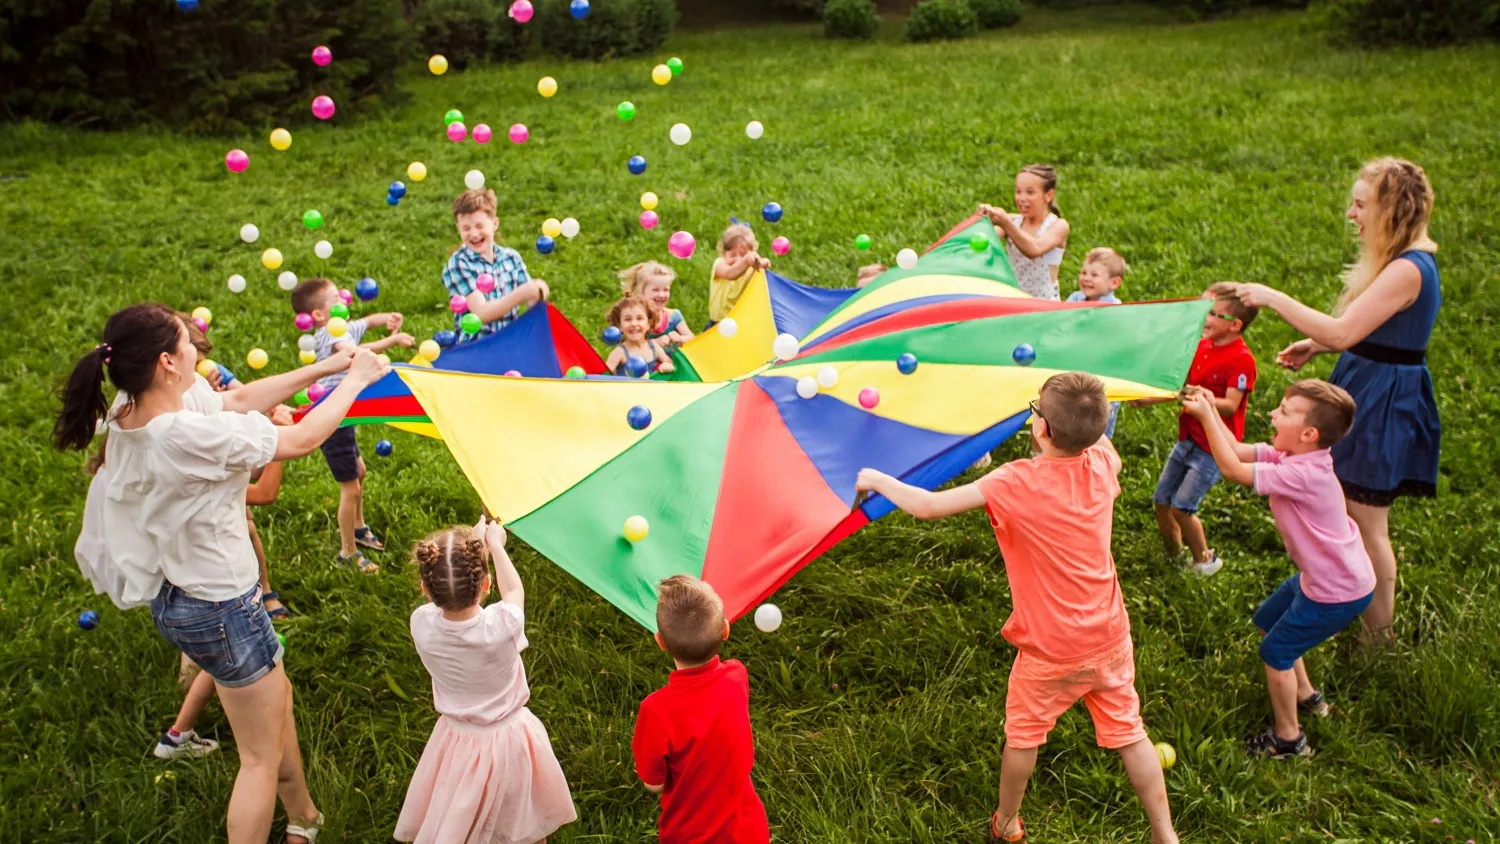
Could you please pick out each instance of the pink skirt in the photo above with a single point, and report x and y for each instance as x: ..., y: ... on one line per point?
x: 493, y: 784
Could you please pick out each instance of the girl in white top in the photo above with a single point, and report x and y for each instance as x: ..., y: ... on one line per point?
x: 1036, y: 236
x: 174, y: 512
x: 488, y: 774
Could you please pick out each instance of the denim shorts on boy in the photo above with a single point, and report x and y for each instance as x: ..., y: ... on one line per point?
x: 1188, y: 476
x: 1114, y: 416
x: 232, y: 640
x: 1294, y: 623
x: 341, y: 450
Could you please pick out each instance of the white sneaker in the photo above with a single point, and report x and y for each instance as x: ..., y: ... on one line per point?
x: 1209, y: 568
x: 983, y: 462
x: 192, y: 746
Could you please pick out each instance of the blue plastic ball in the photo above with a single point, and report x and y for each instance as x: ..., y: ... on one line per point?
x: 636, y: 366
x: 398, y: 189
x: 446, y: 339
x: 907, y: 363
x: 579, y: 8
x: 384, y: 448
x: 639, y: 417
x: 392, y: 199
x: 187, y: 5
x: 637, y: 165
x: 613, y: 335
x: 88, y: 619
x: 366, y: 289
x: 771, y: 212
x: 545, y: 245
x: 1024, y: 355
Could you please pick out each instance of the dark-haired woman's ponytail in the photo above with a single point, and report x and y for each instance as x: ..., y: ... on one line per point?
x: 83, y: 403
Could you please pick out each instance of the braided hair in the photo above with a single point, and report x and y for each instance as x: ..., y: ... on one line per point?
x: 453, y: 567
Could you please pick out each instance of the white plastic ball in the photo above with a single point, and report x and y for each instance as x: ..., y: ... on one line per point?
x: 767, y: 618
x: 249, y: 233
x: 473, y: 180
x: 807, y: 386
x: 906, y: 259
x: 680, y: 134
x: 287, y: 280
x: 569, y: 228
x: 236, y: 283
x: 785, y: 347
x: 827, y: 377
x: 728, y: 327
x: 307, y: 343
x: 323, y: 249
x: 753, y: 131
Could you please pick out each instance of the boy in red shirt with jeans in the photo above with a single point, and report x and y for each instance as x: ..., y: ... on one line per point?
x: 1068, y: 622
x: 692, y: 740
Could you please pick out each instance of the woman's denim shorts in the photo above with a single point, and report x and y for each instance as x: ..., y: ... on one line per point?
x: 232, y: 640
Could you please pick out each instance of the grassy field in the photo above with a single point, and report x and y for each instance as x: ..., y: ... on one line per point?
x: 1202, y: 152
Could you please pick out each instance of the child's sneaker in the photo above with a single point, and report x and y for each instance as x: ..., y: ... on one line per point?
x: 365, y: 537
x: 1268, y: 745
x: 1209, y: 567
x: 189, y: 745
x: 1314, y: 705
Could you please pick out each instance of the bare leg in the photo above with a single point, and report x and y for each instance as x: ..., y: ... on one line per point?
x: 1016, y: 766
x: 1192, y: 534
x: 1375, y: 529
x: 199, y: 693
x: 291, y: 783
x: 1143, y: 767
x: 351, y: 502
x: 260, y: 556
x: 1283, y: 688
x: 361, y: 512
x: 1171, y: 534
x: 1305, y: 687
x: 257, y: 714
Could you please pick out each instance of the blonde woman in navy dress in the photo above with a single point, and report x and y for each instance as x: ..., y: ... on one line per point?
x: 1381, y: 326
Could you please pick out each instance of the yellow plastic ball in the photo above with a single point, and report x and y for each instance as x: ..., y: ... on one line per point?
x: 636, y: 528
x: 429, y: 350
x: 281, y: 139
x: 308, y: 357
x: 207, y: 367
x: 648, y: 201
x: 416, y: 171
x: 421, y: 361
x: 551, y: 227
x: 271, y: 258
x: 437, y: 64
x: 204, y: 314
x: 337, y: 327
x: 257, y: 358
x: 661, y: 74
x: 1167, y: 754
x: 546, y: 86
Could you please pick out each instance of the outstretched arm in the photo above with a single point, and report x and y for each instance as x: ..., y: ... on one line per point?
x: 1393, y: 291
x: 1032, y: 246
x: 1236, y: 460
x: 507, y: 579
x: 923, y: 504
x: 263, y: 394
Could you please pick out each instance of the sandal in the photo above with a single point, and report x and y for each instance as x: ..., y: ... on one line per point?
x: 307, y: 833
x: 997, y: 836
x: 368, y: 538
x: 358, y: 560
x: 280, y: 612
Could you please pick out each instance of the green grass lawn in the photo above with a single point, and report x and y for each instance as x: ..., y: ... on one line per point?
x: 1201, y: 152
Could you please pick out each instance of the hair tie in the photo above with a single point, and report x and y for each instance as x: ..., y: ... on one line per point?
x: 105, y: 348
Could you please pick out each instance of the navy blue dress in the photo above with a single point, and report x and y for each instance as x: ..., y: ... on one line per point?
x: 1392, y: 450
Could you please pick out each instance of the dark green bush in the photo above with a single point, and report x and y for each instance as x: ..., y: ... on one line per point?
x: 612, y: 28
x: 936, y: 19
x: 1426, y: 24
x: 850, y: 19
x: 229, y: 66
x: 467, y: 30
x: 994, y: 14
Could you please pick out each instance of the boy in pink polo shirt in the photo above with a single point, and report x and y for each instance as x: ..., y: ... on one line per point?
x: 1335, y: 580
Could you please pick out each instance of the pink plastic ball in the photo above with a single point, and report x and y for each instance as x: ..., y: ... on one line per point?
x: 346, y: 295
x: 304, y: 322
x: 321, y: 56
x: 457, y: 131
x: 237, y: 160
x: 511, y: 373
x: 316, y: 392
x: 869, y: 397
x: 484, y: 283
x: 781, y: 246
x: 682, y: 245
x: 483, y: 133
x: 521, y: 11
x: 458, y: 304
x: 322, y: 107
x: 202, y: 326
x: 519, y: 133
x: 649, y: 219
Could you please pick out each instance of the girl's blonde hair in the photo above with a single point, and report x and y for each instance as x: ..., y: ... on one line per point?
x: 737, y: 234
x: 632, y: 279
x: 653, y: 316
x: 1112, y: 261
x: 1394, y: 221
x: 452, y: 567
x: 1048, y: 174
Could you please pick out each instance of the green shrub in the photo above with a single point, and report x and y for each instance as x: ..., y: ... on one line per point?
x: 936, y: 19
x: 229, y: 66
x: 1425, y: 24
x: 612, y: 28
x: 850, y: 19
x: 994, y: 14
x: 467, y: 30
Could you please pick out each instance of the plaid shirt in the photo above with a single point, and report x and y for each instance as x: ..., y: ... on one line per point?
x: 463, y: 269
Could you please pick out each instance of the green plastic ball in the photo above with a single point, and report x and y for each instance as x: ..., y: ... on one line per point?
x: 470, y: 323
x: 625, y: 110
x: 862, y: 242
x: 340, y: 310
x: 301, y: 398
x: 979, y: 243
x: 281, y: 637
x: 313, y: 219
x: 453, y: 116
x: 674, y: 64
x: 575, y: 372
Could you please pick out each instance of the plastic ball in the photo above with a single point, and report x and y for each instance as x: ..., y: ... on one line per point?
x: 612, y: 335
x: 384, y: 448
x: 519, y: 133
x: 681, y: 244
x: 321, y: 56
x: 237, y: 160
x: 649, y: 201
x: 257, y: 358
x: 203, y: 313
x: 236, y: 283
x: 625, y: 110
x: 862, y: 242
x: 639, y: 417
x: 767, y: 618
x: 416, y: 171
x: 516, y: 373
x: 187, y: 5
x: 661, y: 74
x: 579, y: 9
x: 807, y: 386
x: 551, y: 227
x: 869, y: 397
x: 301, y: 398
x: 569, y: 228
x: 304, y: 322
x: 249, y: 233
x: 457, y: 131
x: 445, y: 339
x: 88, y: 619
x: 337, y: 326
x: 649, y: 220
x: 340, y: 310
x: 680, y: 134
x: 397, y: 189
x: 637, y: 164
x: 202, y: 326
x: 1023, y: 355
x: 316, y: 392
x: 271, y: 258
x: 771, y: 212
x: 438, y: 64
x: 979, y: 243
x: 323, y: 107
x: 754, y: 130
x: 281, y: 139
x: 484, y: 283
x: 474, y: 179
x: 287, y: 280
x: 907, y: 363
x: 429, y: 349
x: 574, y: 372
x: 482, y: 133
x: 366, y: 289
x: 636, y: 528
x: 307, y: 342
x: 1167, y: 754
x: 785, y: 346
x: 392, y: 200
x: 545, y: 245
x: 828, y: 377
x: 281, y: 638
x: 312, y: 219
x: 546, y: 86
x: 636, y: 367
x: 674, y: 64
x: 728, y: 327
x: 206, y: 367
x: 906, y: 259
x: 521, y: 11
x: 458, y: 304
x: 470, y: 323
x: 781, y: 246
x: 308, y: 357
x: 346, y: 295
x: 323, y: 249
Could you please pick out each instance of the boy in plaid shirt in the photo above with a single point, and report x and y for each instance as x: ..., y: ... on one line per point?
x: 480, y: 255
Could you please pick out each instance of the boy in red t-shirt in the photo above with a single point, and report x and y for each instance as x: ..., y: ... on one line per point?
x: 1224, y: 366
x: 1053, y: 516
x: 692, y: 740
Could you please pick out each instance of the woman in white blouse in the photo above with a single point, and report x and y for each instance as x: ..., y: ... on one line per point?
x: 175, y: 509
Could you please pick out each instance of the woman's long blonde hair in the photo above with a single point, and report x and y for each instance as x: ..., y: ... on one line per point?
x: 1394, y: 221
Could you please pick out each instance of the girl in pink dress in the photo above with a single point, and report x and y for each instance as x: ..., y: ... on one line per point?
x: 488, y: 775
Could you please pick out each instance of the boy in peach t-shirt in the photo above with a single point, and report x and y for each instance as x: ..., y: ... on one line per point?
x: 1053, y: 516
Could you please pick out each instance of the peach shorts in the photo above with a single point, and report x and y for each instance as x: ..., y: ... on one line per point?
x: 1041, y: 691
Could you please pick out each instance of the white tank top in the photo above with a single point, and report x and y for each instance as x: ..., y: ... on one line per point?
x: 1034, y: 275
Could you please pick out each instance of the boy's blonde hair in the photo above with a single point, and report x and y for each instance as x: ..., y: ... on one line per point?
x: 306, y: 294
x: 738, y: 234
x: 1074, y: 406
x: 653, y: 315
x: 1112, y: 261
x: 1394, y: 222
x: 689, y: 619
x: 481, y: 199
x: 633, y: 279
x: 1332, y: 413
